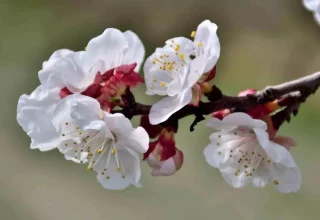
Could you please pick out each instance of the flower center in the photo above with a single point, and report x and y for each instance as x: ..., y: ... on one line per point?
x: 92, y: 147
x: 247, y: 155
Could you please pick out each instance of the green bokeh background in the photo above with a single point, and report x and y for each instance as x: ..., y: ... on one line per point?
x: 263, y: 43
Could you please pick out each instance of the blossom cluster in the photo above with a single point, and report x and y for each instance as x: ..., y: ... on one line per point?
x: 74, y: 110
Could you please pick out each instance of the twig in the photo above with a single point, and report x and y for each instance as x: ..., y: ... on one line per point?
x: 306, y: 86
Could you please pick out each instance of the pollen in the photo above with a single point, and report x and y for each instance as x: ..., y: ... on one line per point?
x: 113, y: 151
x: 276, y: 182
x: 100, y: 151
x: 162, y: 84
x: 193, y: 33
x: 199, y: 44
x: 170, y: 67
x: 182, y: 56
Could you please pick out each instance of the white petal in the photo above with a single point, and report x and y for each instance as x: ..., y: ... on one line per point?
x: 236, y: 181
x: 118, y: 124
x: 186, y: 45
x: 109, y: 47
x: 56, y: 56
x: 135, y: 52
x: 130, y: 169
x: 134, y: 139
x: 317, y: 15
x: 34, y: 114
x: 286, y: 179
x: 279, y: 154
x: 216, y: 156
x: 164, y: 108
x: 79, y: 108
x: 48, y: 75
x: 261, y: 177
x: 177, y: 85
x: 207, y: 34
x: 243, y: 119
x: 72, y: 73
x: 262, y: 136
x: 138, y: 140
x: 196, y: 69
x: 311, y: 4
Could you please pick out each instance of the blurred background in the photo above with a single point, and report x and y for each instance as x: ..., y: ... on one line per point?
x: 263, y: 43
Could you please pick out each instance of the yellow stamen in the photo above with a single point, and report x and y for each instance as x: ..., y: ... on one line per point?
x: 199, y: 44
x: 118, y: 169
x: 193, y: 33
x: 170, y: 67
x: 162, y: 84
x: 89, y: 168
x: 276, y: 182
x: 182, y: 57
x: 113, y: 151
x: 99, y: 151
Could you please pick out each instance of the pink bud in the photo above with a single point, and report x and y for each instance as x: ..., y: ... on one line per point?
x: 162, y: 156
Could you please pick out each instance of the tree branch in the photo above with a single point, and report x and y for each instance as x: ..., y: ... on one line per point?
x: 305, y: 86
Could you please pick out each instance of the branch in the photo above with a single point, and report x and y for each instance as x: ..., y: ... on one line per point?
x: 305, y: 86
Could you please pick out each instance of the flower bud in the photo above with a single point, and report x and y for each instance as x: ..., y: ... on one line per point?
x: 162, y: 156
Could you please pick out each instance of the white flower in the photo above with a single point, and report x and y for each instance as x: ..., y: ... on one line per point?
x: 77, y: 70
x: 243, y: 153
x: 68, y: 72
x: 107, y: 142
x: 314, y: 6
x: 171, y: 70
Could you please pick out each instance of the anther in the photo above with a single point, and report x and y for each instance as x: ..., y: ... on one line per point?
x: 193, y: 33
x: 162, y: 84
